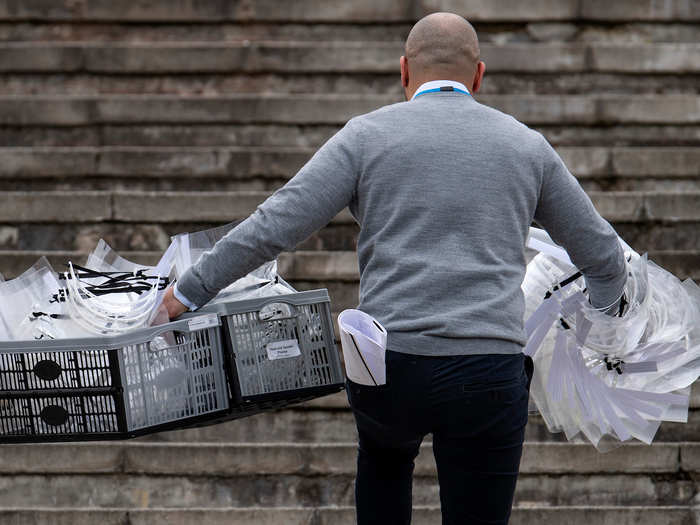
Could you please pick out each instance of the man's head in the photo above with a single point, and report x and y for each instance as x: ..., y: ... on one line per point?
x: 441, y: 46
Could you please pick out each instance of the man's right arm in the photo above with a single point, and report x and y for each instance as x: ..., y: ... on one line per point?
x: 570, y: 218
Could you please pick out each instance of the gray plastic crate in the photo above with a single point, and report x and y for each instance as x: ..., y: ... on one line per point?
x: 112, y: 387
x: 281, y: 346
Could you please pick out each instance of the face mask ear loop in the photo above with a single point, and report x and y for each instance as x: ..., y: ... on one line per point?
x: 77, y: 316
x: 112, y: 318
x: 105, y: 303
x: 87, y: 322
x: 100, y: 310
x: 120, y: 322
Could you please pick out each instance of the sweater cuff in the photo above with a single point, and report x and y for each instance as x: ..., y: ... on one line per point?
x: 190, y: 287
x: 184, y: 300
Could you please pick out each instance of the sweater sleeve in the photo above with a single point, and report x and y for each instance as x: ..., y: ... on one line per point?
x: 318, y: 192
x: 570, y: 218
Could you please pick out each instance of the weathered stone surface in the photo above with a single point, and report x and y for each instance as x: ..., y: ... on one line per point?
x: 214, y: 459
x: 685, y: 10
x: 637, y: 206
x: 199, y: 206
x: 320, y: 265
x: 182, y: 492
x: 292, y: 57
x: 669, y: 162
x: 230, y: 162
x: 504, y: 10
x: 628, y: 206
x: 44, y: 516
x: 673, y: 206
x: 334, y: 57
x: 536, y: 515
x: 328, y: 419
x: 313, y: 136
x: 568, y: 457
x: 308, y: 109
x: 534, y: 58
x: 33, y: 162
x: 51, y: 111
x: 18, y: 207
x: 268, y: 10
x: 334, y: 109
x: 646, y: 109
x: 38, y: 57
x: 60, y: 458
x: 428, y: 515
x: 277, y: 163
x: 586, y: 162
x: 672, y: 58
x: 214, y: 31
x: 208, y: 135
x: 136, y: 491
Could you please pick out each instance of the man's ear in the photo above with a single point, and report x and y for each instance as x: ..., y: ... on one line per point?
x: 478, y: 77
x: 404, y: 72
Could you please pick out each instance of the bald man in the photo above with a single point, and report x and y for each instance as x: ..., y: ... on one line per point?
x: 444, y: 190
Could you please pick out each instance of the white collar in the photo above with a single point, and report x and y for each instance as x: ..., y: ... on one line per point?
x: 437, y: 84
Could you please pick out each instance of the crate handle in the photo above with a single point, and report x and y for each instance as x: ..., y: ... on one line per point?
x: 277, y: 311
x: 191, y: 324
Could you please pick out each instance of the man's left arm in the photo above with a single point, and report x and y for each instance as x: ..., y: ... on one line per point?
x: 316, y: 194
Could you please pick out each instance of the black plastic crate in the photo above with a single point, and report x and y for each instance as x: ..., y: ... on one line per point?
x: 118, y: 387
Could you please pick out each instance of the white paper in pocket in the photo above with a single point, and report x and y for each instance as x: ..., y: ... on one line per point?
x: 364, y: 347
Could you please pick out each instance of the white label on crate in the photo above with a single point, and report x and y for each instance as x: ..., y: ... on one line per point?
x: 203, y: 321
x: 283, y: 349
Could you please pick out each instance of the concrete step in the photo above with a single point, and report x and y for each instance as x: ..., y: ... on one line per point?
x: 182, y: 492
x: 337, y: 11
x: 315, y: 57
x: 536, y: 515
x: 310, y: 459
x: 311, y: 266
x: 331, y: 109
x: 313, y: 136
x: 195, y: 84
x: 521, y: 31
x: 167, y: 207
x: 339, y: 401
x: 276, y: 163
x: 305, y: 425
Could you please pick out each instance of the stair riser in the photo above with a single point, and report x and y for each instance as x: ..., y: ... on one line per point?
x: 313, y: 136
x: 290, y: 490
x: 126, y: 237
x: 243, y: 164
x: 334, y: 109
x: 320, y: 459
x: 516, y: 31
x: 348, y: 57
x: 344, y: 516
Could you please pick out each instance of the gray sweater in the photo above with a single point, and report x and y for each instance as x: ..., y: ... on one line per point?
x: 444, y: 190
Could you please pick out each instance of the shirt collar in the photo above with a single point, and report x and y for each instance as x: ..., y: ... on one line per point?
x: 437, y: 84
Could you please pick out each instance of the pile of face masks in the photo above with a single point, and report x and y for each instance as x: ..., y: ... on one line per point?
x: 601, y: 378
x: 110, y: 295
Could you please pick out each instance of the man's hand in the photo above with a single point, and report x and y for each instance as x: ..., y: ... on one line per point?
x: 174, y: 307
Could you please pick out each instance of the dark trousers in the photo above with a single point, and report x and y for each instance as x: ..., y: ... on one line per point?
x: 476, y: 409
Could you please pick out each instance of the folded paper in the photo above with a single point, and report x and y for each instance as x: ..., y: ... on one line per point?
x: 364, y: 347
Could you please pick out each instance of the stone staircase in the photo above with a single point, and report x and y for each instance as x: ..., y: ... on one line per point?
x: 132, y: 121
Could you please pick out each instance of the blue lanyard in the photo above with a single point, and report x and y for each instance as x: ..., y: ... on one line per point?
x: 443, y: 88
